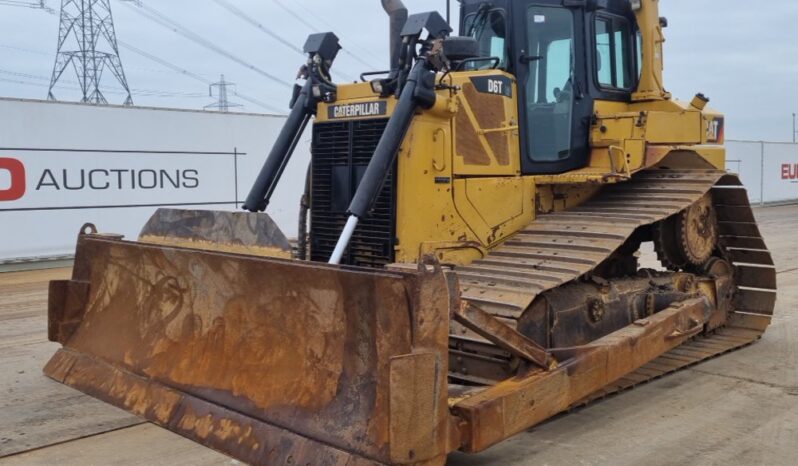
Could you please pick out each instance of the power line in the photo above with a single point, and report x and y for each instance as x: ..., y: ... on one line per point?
x: 237, y: 12
x: 296, y: 16
x: 248, y: 19
x: 28, y: 83
x: 260, y: 103
x: 312, y: 27
x: 31, y: 76
x: 117, y: 91
x: 167, y: 64
x: 20, y: 49
x: 196, y: 77
x: 121, y: 43
x: 163, y: 20
x: 40, y: 5
x: 75, y: 85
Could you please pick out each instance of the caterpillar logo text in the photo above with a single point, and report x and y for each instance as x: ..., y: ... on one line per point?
x: 359, y: 110
x: 715, y: 130
x: 15, y: 188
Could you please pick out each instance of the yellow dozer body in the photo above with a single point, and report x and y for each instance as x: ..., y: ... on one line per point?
x: 471, y: 263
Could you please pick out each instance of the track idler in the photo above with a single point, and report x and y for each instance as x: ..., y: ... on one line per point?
x: 687, y: 240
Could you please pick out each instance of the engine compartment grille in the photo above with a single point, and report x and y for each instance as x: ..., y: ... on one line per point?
x: 341, y: 152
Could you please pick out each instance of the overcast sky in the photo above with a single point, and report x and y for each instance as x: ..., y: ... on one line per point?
x: 742, y: 54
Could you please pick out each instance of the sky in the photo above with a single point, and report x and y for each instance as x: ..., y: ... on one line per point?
x: 741, y: 54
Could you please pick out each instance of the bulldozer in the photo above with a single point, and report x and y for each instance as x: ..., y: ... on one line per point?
x: 467, y: 264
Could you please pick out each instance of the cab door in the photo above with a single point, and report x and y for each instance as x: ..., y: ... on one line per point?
x: 554, y: 103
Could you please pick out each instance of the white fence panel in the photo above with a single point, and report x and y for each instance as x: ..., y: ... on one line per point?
x: 62, y: 165
x: 780, y: 172
x: 768, y: 169
x: 745, y: 159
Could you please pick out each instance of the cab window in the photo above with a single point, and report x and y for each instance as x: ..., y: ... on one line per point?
x: 614, y: 54
x: 489, y: 28
x: 550, y: 82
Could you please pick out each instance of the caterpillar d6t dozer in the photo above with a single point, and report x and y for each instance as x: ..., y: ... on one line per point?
x: 470, y: 268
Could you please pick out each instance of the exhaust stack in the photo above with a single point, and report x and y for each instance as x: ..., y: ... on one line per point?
x: 398, y: 14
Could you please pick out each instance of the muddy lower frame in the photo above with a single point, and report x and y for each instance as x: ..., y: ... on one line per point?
x: 277, y: 361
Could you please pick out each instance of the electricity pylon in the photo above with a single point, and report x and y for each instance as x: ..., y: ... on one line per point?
x: 87, y: 44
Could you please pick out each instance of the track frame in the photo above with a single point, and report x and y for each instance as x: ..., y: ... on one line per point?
x: 669, y: 341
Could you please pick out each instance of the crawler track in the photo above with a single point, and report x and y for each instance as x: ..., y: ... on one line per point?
x: 561, y: 247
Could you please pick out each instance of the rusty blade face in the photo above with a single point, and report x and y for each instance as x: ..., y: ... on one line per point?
x: 235, y: 232
x: 259, y: 358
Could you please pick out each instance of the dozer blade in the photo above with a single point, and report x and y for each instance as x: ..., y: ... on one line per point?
x: 235, y: 232
x: 270, y: 361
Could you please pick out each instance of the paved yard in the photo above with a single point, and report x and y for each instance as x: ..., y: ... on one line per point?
x: 740, y: 409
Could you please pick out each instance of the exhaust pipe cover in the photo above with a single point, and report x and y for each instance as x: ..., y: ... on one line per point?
x: 398, y: 14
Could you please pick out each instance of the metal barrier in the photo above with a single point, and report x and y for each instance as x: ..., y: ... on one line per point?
x: 768, y: 169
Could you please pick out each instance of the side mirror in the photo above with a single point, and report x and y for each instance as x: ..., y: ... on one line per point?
x: 459, y: 48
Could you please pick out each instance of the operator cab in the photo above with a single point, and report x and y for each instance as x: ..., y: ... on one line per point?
x: 565, y: 54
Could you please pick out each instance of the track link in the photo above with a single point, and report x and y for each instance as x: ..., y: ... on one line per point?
x: 561, y: 247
